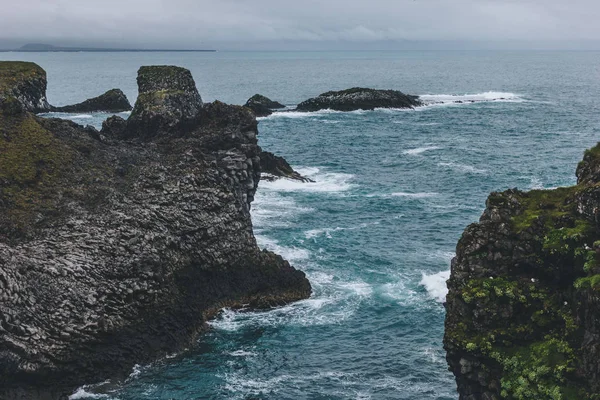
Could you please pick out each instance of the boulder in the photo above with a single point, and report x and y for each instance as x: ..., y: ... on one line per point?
x: 359, y: 99
x: 23, y: 87
x: 262, y: 106
x: 274, y: 167
x: 112, y: 101
x: 116, y: 247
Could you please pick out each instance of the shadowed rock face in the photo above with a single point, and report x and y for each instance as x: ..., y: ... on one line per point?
x: 523, y: 308
x: 359, y: 99
x: 112, y: 101
x: 262, y: 106
x: 116, y: 252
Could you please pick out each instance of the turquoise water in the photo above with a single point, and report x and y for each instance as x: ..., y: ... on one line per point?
x: 375, y: 234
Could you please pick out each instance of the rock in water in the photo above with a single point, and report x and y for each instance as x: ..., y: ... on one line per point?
x: 359, y: 99
x: 112, y: 101
x: 273, y: 167
x: 116, y: 252
x: 23, y: 87
x: 168, y: 102
x: 262, y: 106
x: 523, y: 308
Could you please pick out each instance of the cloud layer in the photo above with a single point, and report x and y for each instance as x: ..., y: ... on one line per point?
x: 192, y: 22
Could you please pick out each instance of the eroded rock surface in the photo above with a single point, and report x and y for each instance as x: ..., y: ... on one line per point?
x: 116, y: 246
x: 523, y: 308
x: 359, y: 99
x: 23, y: 86
x: 274, y: 167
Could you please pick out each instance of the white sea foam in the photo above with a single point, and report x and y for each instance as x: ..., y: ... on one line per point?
x: 414, y: 195
x: 313, y: 233
x: 82, y: 393
x: 436, y: 285
x: 476, y: 97
x: 289, y: 253
x: 462, y: 168
x: 78, y: 116
x: 242, y: 353
x: 420, y: 150
x: 330, y: 182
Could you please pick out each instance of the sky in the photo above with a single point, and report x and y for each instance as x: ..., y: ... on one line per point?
x: 317, y: 23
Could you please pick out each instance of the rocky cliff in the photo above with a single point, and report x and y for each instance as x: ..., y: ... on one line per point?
x: 116, y: 246
x: 359, y: 99
x: 523, y: 308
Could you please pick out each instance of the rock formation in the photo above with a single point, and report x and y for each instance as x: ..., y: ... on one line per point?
x: 359, y: 99
x: 262, y: 106
x: 112, y: 101
x: 273, y: 167
x: 523, y: 308
x: 117, y: 246
x: 23, y: 86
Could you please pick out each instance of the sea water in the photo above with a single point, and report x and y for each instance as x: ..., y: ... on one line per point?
x: 376, y: 231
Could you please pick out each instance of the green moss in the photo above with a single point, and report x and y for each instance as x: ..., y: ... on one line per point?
x: 590, y: 282
x: 545, y: 206
x: 13, y: 72
x: 31, y: 160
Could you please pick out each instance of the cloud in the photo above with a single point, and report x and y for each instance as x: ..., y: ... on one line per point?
x: 193, y: 22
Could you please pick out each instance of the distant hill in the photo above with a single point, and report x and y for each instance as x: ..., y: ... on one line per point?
x: 40, y: 47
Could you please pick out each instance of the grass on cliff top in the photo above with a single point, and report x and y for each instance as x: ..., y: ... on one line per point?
x: 31, y: 161
x: 12, y: 72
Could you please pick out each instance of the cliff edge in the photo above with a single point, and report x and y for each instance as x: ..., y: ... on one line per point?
x: 117, y: 246
x: 523, y: 308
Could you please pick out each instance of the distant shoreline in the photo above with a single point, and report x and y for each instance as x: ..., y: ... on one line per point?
x: 106, y: 51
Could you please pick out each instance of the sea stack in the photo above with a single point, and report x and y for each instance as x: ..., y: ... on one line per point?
x: 262, y: 106
x: 113, y: 100
x: 117, y: 246
x: 359, y: 99
x: 523, y: 308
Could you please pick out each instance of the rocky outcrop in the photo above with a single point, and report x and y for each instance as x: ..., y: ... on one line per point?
x: 274, y: 167
x: 112, y: 101
x: 262, y: 106
x: 168, y: 102
x: 359, y: 99
x: 523, y: 308
x: 117, y: 246
x: 23, y: 87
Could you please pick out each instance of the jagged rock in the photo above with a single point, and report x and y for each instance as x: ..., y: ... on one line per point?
x: 112, y: 101
x: 523, y: 308
x: 262, y: 106
x: 273, y: 167
x: 115, y: 252
x: 359, y: 99
x: 22, y: 87
x: 168, y: 102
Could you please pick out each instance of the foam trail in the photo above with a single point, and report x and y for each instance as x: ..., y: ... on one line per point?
x: 477, y: 97
x: 81, y: 393
x: 324, y: 182
x: 414, y: 195
x: 419, y: 150
x: 462, y: 168
x: 436, y: 285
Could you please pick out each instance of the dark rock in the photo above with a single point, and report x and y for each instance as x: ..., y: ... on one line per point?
x: 273, y: 167
x: 523, y: 308
x: 262, y: 106
x: 116, y: 252
x: 168, y: 102
x: 22, y: 87
x: 359, y: 99
x: 112, y: 101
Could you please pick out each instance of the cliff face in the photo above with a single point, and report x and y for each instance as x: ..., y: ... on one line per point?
x: 523, y: 308
x: 23, y: 84
x: 116, y: 246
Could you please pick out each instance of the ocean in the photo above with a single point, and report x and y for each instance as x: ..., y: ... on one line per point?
x: 376, y: 231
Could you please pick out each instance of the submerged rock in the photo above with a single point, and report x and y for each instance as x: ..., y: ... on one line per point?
x: 262, y: 106
x: 115, y: 252
x: 112, y: 101
x: 273, y: 167
x: 359, y: 99
x: 523, y: 308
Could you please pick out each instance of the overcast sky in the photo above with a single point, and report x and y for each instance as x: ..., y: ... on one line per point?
x: 198, y: 23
